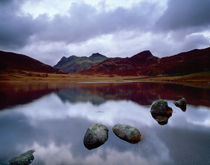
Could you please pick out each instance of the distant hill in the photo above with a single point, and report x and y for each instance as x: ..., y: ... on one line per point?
x: 18, y: 62
x: 145, y: 63
x: 75, y: 64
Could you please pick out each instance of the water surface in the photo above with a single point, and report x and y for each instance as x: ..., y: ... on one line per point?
x: 54, y: 123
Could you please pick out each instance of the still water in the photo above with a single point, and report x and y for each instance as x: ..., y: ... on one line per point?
x: 54, y: 124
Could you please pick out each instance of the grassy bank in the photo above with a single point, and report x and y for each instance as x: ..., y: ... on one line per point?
x: 196, y: 79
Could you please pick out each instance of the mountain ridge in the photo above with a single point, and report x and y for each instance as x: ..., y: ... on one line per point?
x: 74, y: 64
x: 145, y: 64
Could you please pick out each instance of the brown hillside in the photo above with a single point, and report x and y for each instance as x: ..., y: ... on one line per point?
x: 18, y: 62
x: 146, y: 64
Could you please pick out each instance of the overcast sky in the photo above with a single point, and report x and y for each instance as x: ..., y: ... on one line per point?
x: 47, y: 30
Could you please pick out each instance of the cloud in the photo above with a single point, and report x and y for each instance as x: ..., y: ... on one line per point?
x: 185, y: 14
x: 15, y: 28
x: 86, y: 22
x: 83, y: 27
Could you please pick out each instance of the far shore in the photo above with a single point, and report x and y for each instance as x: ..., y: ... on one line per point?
x: 196, y: 79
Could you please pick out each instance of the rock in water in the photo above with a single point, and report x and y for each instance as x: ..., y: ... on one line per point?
x: 95, y: 136
x: 127, y: 133
x: 23, y: 159
x: 181, y: 104
x: 161, y: 112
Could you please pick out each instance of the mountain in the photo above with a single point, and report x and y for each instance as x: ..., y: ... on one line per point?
x: 197, y: 60
x: 17, y: 62
x: 123, y: 66
x: 75, y: 64
x: 145, y: 63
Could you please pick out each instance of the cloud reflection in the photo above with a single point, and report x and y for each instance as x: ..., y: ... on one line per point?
x: 55, y: 129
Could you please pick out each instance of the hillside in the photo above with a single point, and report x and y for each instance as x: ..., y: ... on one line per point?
x: 75, y: 64
x: 146, y: 64
x: 12, y: 62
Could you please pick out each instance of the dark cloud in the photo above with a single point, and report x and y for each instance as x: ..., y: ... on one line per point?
x: 15, y: 29
x: 85, y: 22
x: 185, y: 14
x: 195, y: 41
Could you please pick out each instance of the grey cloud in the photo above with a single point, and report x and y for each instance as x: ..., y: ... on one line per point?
x: 185, y: 14
x: 15, y: 29
x: 85, y: 22
x: 195, y: 41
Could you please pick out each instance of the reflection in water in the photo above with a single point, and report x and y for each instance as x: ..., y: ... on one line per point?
x: 55, y: 128
x: 141, y: 93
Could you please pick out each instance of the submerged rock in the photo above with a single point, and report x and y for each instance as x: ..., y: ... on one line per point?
x: 23, y: 159
x: 127, y: 133
x: 181, y: 104
x: 161, y: 112
x: 95, y: 136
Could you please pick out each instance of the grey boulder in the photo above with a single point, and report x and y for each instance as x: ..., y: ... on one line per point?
x: 127, y: 133
x: 95, y: 136
x: 161, y: 112
x: 181, y: 104
x: 23, y: 159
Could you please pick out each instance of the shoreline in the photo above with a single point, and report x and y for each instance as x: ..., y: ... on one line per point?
x: 197, y: 79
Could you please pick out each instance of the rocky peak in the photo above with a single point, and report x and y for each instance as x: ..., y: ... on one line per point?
x: 96, y: 56
x: 144, y: 57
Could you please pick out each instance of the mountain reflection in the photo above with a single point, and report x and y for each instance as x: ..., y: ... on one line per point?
x: 141, y: 93
x: 55, y: 130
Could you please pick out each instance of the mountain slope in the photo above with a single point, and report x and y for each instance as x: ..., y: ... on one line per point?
x: 123, y: 66
x: 197, y: 60
x: 18, y: 62
x: 145, y: 63
x: 75, y: 64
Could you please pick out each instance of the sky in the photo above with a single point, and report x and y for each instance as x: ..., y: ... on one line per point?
x: 48, y: 30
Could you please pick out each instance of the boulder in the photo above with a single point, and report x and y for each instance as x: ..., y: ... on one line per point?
x: 95, y: 136
x: 127, y: 133
x: 23, y: 159
x: 181, y: 104
x: 161, y: 112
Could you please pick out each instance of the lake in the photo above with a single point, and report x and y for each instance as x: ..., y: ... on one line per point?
x: 52, y: 120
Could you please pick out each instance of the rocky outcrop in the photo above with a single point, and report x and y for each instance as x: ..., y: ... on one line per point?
x: 161, y: 112
x: 95, y: 136
x: 23, y: 159
x: 127, y: 133
x: 181, y: 104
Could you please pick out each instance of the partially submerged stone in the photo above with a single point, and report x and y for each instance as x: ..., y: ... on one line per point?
x: 23, y: 159
x: 161, y: 112
x: 95, y: 136
x: 181, y: 104
x: 162, y: 120
x: 127, y: 133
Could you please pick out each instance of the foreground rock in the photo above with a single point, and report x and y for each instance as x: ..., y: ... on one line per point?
x: 95, y: 136
x: 161, y: 112
x: 181, y: 104
x: 23, y: 159
x: 127, y: 133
